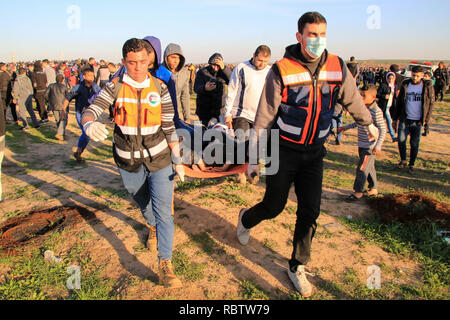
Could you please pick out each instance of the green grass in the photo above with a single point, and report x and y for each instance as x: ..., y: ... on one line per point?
x: 249, y: 291
x: 32, y: 278
x: 194, y: 184
x: 418, y: 241
x: 184, y: 267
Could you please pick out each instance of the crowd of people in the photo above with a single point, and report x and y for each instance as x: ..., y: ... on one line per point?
x: 303, y: 95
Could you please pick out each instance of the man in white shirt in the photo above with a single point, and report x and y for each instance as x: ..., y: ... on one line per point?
x: 49, y: 72
x: 245, y: 89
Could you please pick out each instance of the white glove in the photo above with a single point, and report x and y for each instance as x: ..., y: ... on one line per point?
x: 253, y: 170
x: 373, y: 132
x: 179, y: 170
x: 96, y: 131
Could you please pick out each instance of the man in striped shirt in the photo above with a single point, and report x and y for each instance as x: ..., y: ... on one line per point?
x: 144, y: 138
x: 368, y: 148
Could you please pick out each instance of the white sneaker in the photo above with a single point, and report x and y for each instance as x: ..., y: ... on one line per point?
x: 243, y: 233
x: 300, y: 282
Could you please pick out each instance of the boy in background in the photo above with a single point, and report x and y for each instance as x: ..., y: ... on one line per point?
x: 55, y: 94
x: 367, y: 149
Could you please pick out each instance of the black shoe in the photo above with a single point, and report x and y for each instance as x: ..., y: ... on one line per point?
x: 38, y: 126
x: 352, y: 198
x: 411, y: 169
x: 338, y: 143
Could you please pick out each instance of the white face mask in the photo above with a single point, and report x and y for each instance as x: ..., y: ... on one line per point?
x: 316, y: 46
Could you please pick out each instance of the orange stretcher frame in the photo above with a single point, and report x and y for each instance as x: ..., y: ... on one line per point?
x: 189, y: 172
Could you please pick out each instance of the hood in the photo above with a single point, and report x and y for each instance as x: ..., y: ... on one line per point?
x: 156, y: 44
x: 173, y: 48
x: 390, y: 74
x: 213, y: 57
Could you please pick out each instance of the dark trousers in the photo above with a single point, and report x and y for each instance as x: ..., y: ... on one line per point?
x: 439, y: 90
x: 40, y: 104
x: 414, y: 130
x: 6, y: 102
x: 365, y: 171
x: 305, y: 170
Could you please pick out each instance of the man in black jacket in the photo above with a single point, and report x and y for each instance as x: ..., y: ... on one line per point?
x: 441, y: 76
x: 39, y: 80
x: 210, y: 88
x: 413, y: 111
x: 5, y: 78
x: 2, y: 139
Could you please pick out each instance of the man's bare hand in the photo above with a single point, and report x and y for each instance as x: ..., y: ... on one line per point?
x: 220, y: 63
x: 229, y: 122
x: 210, y: 86
x: 377, y: 152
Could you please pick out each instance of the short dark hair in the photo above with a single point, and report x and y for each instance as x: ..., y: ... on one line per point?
x: 59, y: 78
x: 2, y: 64
x: 417, y: 69
x: 135, y: 45
x: 86, y: 70
x: 370, y: 88
x: 22, y: 70
x: 264, y: 50
x: 352, y: 58
x: 310, y: 17
x: 45, y: 61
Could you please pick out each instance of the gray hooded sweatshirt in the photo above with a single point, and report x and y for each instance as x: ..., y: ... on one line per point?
x: 181, y: 77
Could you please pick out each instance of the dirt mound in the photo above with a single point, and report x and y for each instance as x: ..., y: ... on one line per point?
x: 411, y: 207
x: 19, y: 231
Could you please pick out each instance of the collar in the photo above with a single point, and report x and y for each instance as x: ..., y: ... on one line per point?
x: 127, y: 79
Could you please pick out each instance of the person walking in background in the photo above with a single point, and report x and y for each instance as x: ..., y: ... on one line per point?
x: 5, y: 79
x: 413, y: 111
x: 441, y: 78
x: 55, y: 95
x: 103, y: 74
x: 368, y: 149
x: 210, y: 85
x: 2, y: 137
x: 386, y: 101
x: 399, y: 78
x: 49, y: 73
x: 39, y: 80
x: 82, y: 93
x: 245, y: 89
x: 174, y: 61
x: 23, y: 98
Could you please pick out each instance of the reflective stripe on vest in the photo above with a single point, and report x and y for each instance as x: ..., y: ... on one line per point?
x: 134, y: 112
x: 307, y: 102
x: 163, y: 145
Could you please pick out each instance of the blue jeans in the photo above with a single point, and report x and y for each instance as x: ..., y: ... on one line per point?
x: 387, y: 115
x: 84, y: 139
x: 154, y: 194
x: 336, y: 122
x: 414, y: 130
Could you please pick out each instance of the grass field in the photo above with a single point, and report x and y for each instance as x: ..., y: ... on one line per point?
x: 109, y: 249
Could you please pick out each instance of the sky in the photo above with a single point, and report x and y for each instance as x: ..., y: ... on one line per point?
x: 366, y: 29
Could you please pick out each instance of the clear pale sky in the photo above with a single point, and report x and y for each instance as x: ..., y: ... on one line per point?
x: 393, y: 29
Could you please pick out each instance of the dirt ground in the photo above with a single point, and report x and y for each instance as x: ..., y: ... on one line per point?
x: 45, y: 176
